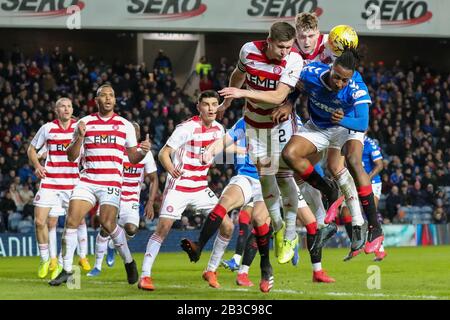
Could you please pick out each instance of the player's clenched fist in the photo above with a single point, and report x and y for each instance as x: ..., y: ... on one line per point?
x: 40, y: 172
x: 146, y: 144
x: 81, y: 129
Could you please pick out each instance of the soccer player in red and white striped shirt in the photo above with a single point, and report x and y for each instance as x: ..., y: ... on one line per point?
x: 104, y: 136
x: 133, y: 177
x: 187, y: 179
x: 270, y: 66
x: 58, y: 178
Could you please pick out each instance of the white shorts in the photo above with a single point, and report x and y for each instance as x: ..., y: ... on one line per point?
x: 376, y: 188
x: 175, y: 202
x: 129, y: 213
x: 56, y: 212
x: 251, y: 188
x: 95, y: 193
x: 49, y: 198
x: 334, y: 137
x: 265, y: 146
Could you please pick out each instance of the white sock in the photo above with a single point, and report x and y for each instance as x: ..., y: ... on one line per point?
x: 314, y: 199
x: 60, y: 258
x: 101, y: 245
x: 317, y: 266
x: 219, y: 247
x: 82, y: 241
x: 153, y: 246
x: 43, y: 251
x: 70, y: 242
x: 237, y: 258
x: 348, y: 189
x: 111, y: 244
x: 52, y: 246
x: 290, y: 197
x: 120, y: 242
x: 271, y: 195
x: 243, y: 269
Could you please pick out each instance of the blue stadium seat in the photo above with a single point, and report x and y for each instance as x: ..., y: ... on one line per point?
x: 13, y: 221
x: 25, y: 226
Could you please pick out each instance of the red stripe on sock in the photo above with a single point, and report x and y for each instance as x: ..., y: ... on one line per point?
x: 244, y: 217
x: 347, y: 219
x: 262, y: 230
x: 219, y: 211
x: 305, y: 175
x: 365, y: 190
x: 311, y: 228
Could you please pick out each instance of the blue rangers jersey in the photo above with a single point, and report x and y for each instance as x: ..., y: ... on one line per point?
x: 323, y: 101
x: 371, y: 153
x: 243, y: 165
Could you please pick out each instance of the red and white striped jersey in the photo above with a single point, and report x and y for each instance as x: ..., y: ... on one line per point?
x: 321, y: 52
x: 189, y: 140
x: 61, y: 173
x: 133, y: 176
x: 104, y: 144
x: 263, y: 74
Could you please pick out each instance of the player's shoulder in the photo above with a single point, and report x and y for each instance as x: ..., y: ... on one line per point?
x: 256, y: 46
x: 88, y: 118
x: 295, y: 56
x: 50, y: 125
x: 314, y: 69
x: 119, y: 119
x: 240, y: 123
x: 148, y: 158
x: 217, y: 126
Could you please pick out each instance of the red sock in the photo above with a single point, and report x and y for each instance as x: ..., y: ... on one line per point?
x: 311, y: 228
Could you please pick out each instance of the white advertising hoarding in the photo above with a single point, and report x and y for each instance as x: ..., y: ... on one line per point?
x: 368, y: 17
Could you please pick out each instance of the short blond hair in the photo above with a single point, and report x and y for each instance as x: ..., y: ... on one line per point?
x: 306, y: 21
x: 61, y: 100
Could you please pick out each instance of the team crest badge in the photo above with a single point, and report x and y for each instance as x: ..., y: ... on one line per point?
x: 115, y: 127
x: 277, y: 70
x: 169, y: 209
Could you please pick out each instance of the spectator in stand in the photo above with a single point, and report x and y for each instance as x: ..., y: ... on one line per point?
x: 393, y: 202
x: 162, y: 66
x: 418, y: 196
x: 7, y: 207
x: 439, y: 215
x: 410, y: 114
x: 203, y: 67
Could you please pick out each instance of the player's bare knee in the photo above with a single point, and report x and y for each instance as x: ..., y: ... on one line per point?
x: 52, y: 223
x: 130, y: 229
x: 288, y: 154
x: 40, y: 223
x: 108, y: 225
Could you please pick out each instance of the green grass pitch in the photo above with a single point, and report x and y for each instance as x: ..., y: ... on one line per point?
x: 406, y: 273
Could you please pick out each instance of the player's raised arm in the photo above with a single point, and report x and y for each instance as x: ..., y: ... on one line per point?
x: 275, y: 97
x: 237, y: 80
x: 73, y: 150
x: 136, y: 154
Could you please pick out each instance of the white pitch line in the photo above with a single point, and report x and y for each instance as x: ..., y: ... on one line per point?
x: 288, y: 291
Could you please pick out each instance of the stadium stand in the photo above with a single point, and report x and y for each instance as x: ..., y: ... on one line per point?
x: 410, y: 118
